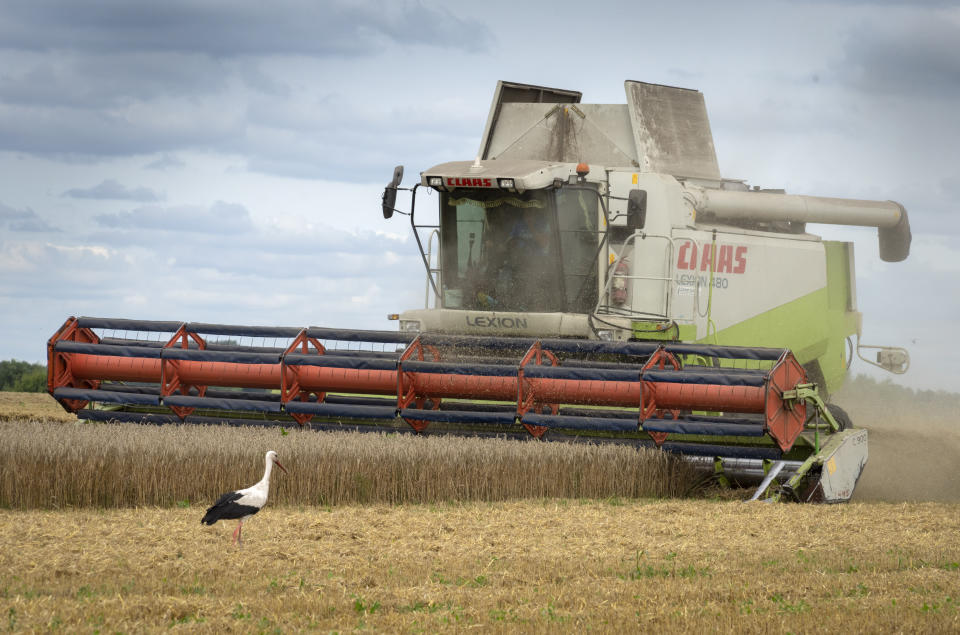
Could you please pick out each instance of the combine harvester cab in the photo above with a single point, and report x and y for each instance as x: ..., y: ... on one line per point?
x: 591, y: 278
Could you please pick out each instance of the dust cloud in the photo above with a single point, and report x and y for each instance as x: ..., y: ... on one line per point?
x: 914, y: 441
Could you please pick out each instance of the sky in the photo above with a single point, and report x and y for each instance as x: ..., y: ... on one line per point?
x: 223, y: 161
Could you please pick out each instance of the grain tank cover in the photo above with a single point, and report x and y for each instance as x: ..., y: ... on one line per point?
x: 511, y: 93
x: 660, y: 129
x: 671, y: 130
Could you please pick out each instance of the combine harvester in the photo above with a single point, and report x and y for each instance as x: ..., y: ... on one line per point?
x: 590, y: 277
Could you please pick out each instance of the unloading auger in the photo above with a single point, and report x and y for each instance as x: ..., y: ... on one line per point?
x: 743, y: 422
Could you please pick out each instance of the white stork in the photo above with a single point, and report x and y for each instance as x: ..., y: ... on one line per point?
x: 243, y: 503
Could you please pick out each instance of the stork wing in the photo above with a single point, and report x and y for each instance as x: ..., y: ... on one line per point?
x: 214, y: 512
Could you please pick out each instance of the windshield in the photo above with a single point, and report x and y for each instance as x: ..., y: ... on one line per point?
x: 534, y: 251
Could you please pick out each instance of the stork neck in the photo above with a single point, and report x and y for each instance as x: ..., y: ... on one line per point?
x: 266, y: 472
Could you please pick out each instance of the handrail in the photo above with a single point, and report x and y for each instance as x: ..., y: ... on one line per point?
x: 668, y: 279
x: 434, y: 233
x: 416, y: 235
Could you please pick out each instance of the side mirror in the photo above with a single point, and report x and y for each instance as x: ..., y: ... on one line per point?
x: 637, y: 209
x: 390, y: 192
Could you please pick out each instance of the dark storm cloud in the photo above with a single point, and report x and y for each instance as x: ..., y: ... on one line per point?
x: 219, y: 218
x: 918, y: 56
x: 25, y: 220
x: 113, y: 190
x: 223, y: 29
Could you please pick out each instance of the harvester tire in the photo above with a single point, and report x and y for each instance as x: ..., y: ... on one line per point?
x: 843, y: 419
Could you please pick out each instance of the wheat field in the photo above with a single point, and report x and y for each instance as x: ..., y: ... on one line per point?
x: 51, y: 465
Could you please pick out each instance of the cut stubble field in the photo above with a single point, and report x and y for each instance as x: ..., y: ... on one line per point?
x: 507, y: 564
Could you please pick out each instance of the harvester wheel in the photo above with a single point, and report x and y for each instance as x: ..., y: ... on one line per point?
x: 843, y: 419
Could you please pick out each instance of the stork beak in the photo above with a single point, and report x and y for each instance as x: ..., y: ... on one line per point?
x: 277, y: 463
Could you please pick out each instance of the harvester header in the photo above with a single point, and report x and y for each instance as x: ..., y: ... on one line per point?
x: 590, y: 277
x: 167, y: 372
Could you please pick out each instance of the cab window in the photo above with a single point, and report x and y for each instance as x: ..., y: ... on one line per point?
x: 499, y: 251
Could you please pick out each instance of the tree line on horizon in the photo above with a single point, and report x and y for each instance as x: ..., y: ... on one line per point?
x: 20, y: 376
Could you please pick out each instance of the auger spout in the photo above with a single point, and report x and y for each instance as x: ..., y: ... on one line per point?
x: 889, y: 217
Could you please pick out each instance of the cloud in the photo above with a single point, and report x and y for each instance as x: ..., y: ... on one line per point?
x: 113, y: 190
x: 93, y: 80
x: 219, y: 218
x: 258, y: 80
x: 36, y: 225
x: 70, y: 264
x: 320, y: 129
x: 7, y: 213
x: 355, y: 139
x: 272, y: 84
x: 224, y: 29
x: 304, y: 252
x: 139, y: 128
x: 917, y: 56
x: 341, y: 258
x: 25, y: 220
x: 165, y: 162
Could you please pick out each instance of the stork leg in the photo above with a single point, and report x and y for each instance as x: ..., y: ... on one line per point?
x: 237, y: 539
